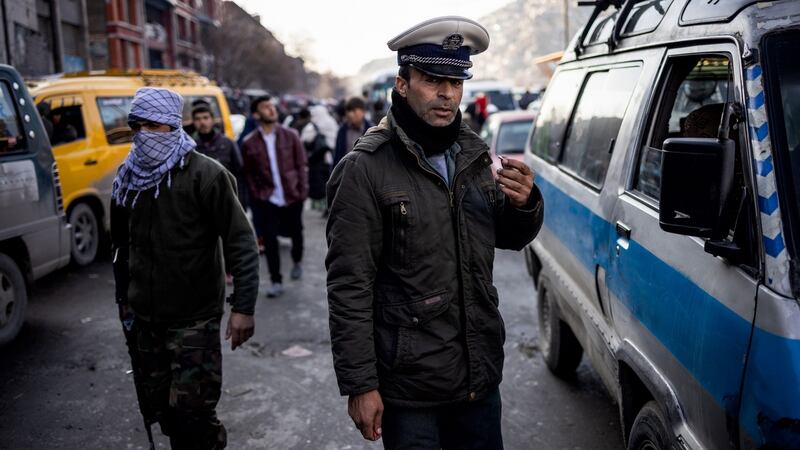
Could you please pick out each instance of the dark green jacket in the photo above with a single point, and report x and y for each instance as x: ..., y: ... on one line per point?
x: 174, y: 245
x: 413, y: 311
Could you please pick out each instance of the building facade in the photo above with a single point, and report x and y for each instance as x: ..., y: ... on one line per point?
x: 157, y: 34
x: 41, y: 37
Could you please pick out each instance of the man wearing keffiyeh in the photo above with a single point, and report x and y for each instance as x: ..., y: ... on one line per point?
x: 175, y: 217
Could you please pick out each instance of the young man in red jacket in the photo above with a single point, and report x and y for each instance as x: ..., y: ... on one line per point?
x: 276, y: 176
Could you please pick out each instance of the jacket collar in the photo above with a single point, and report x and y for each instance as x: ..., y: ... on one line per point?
x: 471, y: 145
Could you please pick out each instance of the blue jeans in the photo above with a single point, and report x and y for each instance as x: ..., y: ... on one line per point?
x: 458, y: 426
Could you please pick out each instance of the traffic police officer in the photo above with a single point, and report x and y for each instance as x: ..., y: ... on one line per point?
x: 415, y: 215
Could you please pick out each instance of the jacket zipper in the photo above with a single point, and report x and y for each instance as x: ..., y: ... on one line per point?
x: 454, y: 218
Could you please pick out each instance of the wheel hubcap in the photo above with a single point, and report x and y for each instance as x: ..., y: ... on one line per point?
x: 6, y: 299
x: 85, y: 233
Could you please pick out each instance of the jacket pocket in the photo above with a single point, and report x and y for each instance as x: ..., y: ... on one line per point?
x: 479, y: 207
x: 489, y: 191
x: 399, y: 218
x: 414, y: 338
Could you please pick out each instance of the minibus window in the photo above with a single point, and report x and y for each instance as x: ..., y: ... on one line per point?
x: 784, y: 91
x: 67, y: 125
x: 692, y: 104
x: 592, y: 134
x: 11, y: 136
x: 552, y: 120
x: 114, y: 113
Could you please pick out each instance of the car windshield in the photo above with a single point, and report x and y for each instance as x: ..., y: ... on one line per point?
x: 512, y: 136
x: 786, y: 79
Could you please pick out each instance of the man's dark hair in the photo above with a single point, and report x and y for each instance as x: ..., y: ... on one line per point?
x: 304, y: 114
x: 199, y: 109
x: 254, y: 104
x: 355, y: 103
x: 200, y: 102
x: 405, y: 73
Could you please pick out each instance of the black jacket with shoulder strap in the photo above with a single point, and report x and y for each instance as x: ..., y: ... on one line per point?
x: 413, y: 311
x: 174, y: 245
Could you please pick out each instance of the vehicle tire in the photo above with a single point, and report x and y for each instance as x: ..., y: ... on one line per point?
x: 560, y: 348
x: 649, y: 431
x: 85, y: 234
x: 13, y: 299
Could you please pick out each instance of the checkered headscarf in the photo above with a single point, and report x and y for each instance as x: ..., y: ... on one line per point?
x: 153, y: 154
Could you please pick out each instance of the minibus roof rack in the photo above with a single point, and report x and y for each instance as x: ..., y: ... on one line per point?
x: 599, y: 7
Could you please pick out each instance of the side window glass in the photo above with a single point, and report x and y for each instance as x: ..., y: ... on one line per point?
x: 645, y: 16
x: 692, y: 103
x: 192, y: 101
x: 11, y: 133
x: 512, y: 136
x: 592, y: 133
x: 65, y: 119
x: 552, y: 121
x: 114, y: 114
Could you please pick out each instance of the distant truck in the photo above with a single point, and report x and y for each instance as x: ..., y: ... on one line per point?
x: 500, y: 95
x: 34, y: 234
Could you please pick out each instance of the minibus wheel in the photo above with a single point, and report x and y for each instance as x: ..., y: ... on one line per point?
x: 85, y: 234
x: 13, y: 299
x: 649, y: 431
x: 560, y: 348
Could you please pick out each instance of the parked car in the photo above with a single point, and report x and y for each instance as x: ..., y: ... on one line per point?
x: 34, y: 235
x: 91, y: 138
x: 506, y: 133
x: 667, y: 150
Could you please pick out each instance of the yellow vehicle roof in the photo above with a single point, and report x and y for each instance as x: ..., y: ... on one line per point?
x: 120, y: 80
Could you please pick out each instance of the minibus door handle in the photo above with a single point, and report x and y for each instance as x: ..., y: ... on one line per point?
x: 623, y: 236
x: 90, y: 162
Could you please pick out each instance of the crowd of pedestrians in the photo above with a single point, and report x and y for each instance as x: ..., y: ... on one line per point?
x: 397, y: 259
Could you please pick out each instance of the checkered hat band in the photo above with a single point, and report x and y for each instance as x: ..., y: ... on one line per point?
x: 414, y: 59
x: 432, y: 54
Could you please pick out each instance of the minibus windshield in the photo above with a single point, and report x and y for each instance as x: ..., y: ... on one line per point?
x: 784, y: 82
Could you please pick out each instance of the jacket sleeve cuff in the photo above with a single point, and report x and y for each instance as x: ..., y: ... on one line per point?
x: 359, y: 385
x: 246, y: 312
x: 534, y: 202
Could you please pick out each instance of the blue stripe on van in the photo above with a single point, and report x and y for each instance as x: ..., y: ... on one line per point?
x: 774, y: 247
x: 753, y: 73
x: 765, y: 166
x: 768, y: 205
x: 757, y: 101
x: 680, y: 322
x: 761, y: 132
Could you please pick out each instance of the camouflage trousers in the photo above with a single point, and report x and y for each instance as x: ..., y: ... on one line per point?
x: 182, y: 368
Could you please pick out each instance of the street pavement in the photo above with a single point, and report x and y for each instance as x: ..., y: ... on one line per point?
x: 63, y: 381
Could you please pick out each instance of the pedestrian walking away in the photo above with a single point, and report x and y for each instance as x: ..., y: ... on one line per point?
x: 415, y: 215
x: 276, y: 175
x: 353, y: 127
x: 319, y: 138
x: 171, y: 208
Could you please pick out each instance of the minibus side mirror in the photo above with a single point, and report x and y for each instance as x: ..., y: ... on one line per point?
x: 696, y: 180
